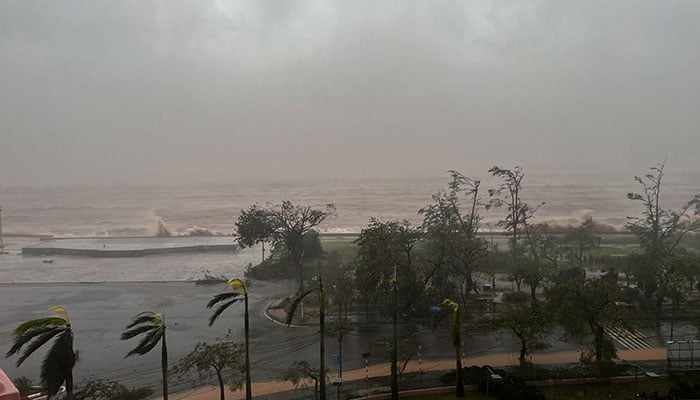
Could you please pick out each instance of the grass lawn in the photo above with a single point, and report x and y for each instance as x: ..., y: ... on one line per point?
x: 346, y: 248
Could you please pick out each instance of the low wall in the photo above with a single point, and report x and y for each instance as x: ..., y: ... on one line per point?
x: 57, y: 251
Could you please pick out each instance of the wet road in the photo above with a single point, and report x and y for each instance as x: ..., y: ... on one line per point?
x: 100, y: 312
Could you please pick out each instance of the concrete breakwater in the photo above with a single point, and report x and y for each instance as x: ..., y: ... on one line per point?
x: 130, y: 246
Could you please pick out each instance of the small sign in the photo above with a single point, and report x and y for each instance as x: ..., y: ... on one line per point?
x: 336, y: 359
x: 365, y: 355
x: 337, y: 381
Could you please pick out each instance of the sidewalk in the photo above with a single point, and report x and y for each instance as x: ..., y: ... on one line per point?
x: 499, y: 360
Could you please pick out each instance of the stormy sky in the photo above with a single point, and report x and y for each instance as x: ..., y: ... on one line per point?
x: 134, y: 91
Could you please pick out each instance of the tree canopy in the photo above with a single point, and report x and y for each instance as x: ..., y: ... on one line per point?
x: 221, y: 359
x: 287, y: 227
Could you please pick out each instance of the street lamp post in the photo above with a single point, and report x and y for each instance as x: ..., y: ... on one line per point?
x: 2, y: 247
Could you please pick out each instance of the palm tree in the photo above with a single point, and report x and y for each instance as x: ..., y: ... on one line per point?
x: 226, y: 299
x: 455, y: 328
x: 321, y: 321
x: 152, y: 326
x: 58, y: 364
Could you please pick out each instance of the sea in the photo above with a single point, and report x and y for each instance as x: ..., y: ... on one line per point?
x: 102, y: 294
x: 212, y: 209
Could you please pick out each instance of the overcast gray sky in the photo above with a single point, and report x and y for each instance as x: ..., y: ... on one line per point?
x: 134, y: 91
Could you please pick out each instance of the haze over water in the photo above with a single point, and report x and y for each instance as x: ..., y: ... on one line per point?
x: 135, y: 210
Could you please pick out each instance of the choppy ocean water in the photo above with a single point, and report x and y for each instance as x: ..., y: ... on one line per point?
x: 138, y: 210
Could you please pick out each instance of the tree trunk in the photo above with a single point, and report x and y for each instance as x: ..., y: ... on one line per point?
x: 300, y: 271
x: 599, y: 338
x: 164, y: 365
x: 221, y: 384
x: 69, y: 372
x: 523, y: 350
x: 248, y: 391
x: 460, y: 376
x: 69, y: 384
x: 322, y: 328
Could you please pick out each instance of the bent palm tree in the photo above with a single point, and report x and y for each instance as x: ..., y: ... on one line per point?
x: 58, y: 364
x: 456, y: 336
x: 226, y: 299
x: 152, y: 325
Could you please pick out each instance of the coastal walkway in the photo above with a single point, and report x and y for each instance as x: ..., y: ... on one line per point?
x: 260, y: 389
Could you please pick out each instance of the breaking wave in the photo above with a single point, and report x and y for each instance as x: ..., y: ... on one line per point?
x: 161, y: 230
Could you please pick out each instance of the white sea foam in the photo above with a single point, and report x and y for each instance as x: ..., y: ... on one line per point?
x: 213, y: 209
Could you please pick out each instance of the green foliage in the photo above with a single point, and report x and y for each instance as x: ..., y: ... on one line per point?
x: 225, y: 300
x: 149, y: 324
x: 685, y: 385
x: 582, y: 240
x: 509, y: 387
x: 659, y: 231
x: 450, y: 225
x: 382, y: 246
x: 57, y: 366
x: 299, y: 373
x: 210, y: 360
x: 589, y: 306
x: 407, y: 347
x: 526, y: 320
x: 509, y: 193
x: 289, y: 228
x: 110, y: 390
x: 516, y: 297
x: 343, y: 288
x: 346, y: 249
x: 152, y: 327
x: 24, y: 385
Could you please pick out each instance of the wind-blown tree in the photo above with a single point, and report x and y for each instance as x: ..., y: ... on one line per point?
x: 582, y: 239
x: 517, y: 222
x: 543, y: 263
x: 286, y: 226
x: 225, y: 300
x: 300, y: 372
x: 59, y: 361
x: 381, y: 247
x: 659, y: 230
x: 589, y: 306
x: 343, y: 289
x: 525, y: 319
x: 99, y: 389
x: 509, y: 193
x: 456, y: 338
x: 152, y: 326
x: 450, y: 232
x: 293, y: 306
x: 222, y: 359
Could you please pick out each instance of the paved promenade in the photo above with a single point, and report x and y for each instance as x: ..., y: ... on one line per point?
x: 261, y: 389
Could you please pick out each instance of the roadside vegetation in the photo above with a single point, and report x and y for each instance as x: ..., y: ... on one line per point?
x: 534, y: 282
